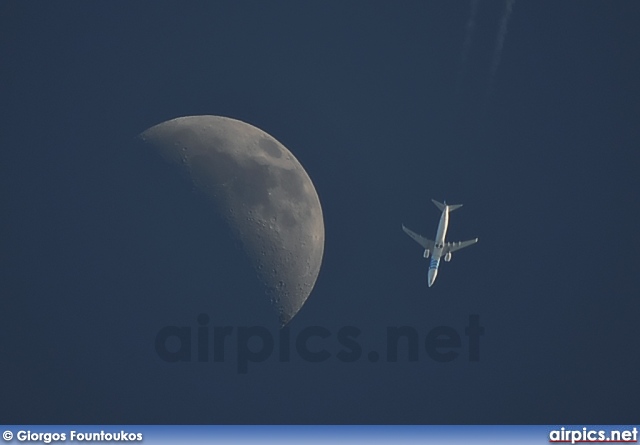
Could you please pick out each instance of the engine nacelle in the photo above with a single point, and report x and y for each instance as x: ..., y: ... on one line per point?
x: 447, y: 257
x: 426, y: 253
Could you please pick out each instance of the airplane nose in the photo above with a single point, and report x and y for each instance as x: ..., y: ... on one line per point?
x: 432, y: 276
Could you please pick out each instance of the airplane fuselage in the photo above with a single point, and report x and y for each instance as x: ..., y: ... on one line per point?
x: 438, y: 247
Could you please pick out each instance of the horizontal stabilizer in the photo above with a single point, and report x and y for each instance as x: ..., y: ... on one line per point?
x: 441, y: 206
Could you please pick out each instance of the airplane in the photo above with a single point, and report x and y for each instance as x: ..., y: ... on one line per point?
x: 439, y: 248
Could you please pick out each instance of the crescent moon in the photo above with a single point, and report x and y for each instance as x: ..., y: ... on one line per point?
x: 262, y: 191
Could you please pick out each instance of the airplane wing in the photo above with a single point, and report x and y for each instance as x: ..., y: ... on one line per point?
x: 452, y: 247
x: 424, y: 242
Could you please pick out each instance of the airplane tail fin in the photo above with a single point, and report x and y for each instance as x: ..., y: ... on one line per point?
x: 441, y: 206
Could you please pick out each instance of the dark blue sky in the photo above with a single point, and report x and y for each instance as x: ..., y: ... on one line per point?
x: 373, y: 100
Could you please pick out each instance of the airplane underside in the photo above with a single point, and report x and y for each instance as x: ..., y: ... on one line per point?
x: 442, y: 249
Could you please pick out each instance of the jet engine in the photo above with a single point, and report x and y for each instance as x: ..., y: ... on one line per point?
x: 447, y: 257
x: 426, y: 253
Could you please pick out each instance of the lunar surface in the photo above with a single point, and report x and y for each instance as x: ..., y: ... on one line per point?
x: 263, y: 193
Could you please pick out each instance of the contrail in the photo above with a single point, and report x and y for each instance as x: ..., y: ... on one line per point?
x: 502, y: 34
x: 466, y: 44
